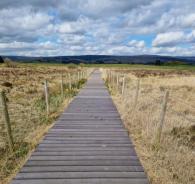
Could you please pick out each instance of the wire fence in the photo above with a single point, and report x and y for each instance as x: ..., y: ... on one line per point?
x: 26, y: 108
x: 157, y: 109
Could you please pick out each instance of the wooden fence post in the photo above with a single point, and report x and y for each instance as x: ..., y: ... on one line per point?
x: 78, y: 76
x: 107, y: 75
x: 7, y: 121
x: 108, y: 78
x: 162, y: 117
x: 87, y: 74
x: 111, y: 79
x: 81, y: 74
x: 62, y: 86
x: 46, y: 97
x: 123, y: 86
x: 117, y: 80
x: 69, y: 80
x: 137, y: 92
x: 74, y: 80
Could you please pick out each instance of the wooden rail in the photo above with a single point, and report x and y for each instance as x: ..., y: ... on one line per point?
x: 87, y: 145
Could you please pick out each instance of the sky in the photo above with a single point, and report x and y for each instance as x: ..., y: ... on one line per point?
x: 102, y: 27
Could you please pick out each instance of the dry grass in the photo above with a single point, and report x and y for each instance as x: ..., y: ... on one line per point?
x: 173, y: 161
x: 23, y: 85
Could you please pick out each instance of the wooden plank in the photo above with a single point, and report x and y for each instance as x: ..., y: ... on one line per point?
x: 88, y: 118
x: 85, y: 126
x: 125, y: 162
x: 67, y: 158
x: 91, y: 114
x: 89, y: 142
x: 86, y: 153
x: 92, y: 123
x: 89, y: 127
x: 82, y: 148
x: 84, y: 181
x: 89, y: 110
x: 97, y: 122
x: 86, y: 138
x: 80, y: 175
x: 82, y: 169
x: 88, y: 133
x: 74, y: 127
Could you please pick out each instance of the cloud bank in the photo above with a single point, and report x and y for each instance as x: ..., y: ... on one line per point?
x: 77, y: 27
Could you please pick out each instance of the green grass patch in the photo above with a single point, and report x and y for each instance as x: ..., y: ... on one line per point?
x: 146, y: 67
x: 165, y: 66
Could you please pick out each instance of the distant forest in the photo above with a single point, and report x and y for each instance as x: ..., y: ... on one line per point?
x: 105, y: 59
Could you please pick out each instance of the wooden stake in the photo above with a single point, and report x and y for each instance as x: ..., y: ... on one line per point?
x: 111, y: 79
x: 162, y: 117
x: 46, y: 97
x: 70, y: 83
x: 137, y: 93
x: 62, y: 86
x: 106, y: 72
x: 7, y: 121
x: 117, y: 82
x: 123, y: 86
x: 81, y: 74
x: 78, y: 75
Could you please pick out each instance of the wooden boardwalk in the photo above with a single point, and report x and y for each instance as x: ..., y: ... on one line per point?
x: 87, y: 145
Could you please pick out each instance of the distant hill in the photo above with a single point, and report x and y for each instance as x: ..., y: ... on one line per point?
x: 107, y: 59
x: 1, y: 60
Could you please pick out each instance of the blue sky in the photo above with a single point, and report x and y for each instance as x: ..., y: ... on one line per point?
x: 79, y: 27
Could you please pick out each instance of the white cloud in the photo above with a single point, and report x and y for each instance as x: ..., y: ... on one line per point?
x: 191, y: 37
x: 15, y: 47
x: 23, y: 24
x: 173, y: 51
x: 168, y: 39
x: 173, y: 39
x: 80, y: 26
x: 189, y: 20
x: 135, y: 43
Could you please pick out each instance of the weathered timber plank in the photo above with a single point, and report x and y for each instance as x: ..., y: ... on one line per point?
x: 86, y: 138
x: 88, y: 133
x: 79, y: 175
x: 82, y: 169
x: 87, y: 153
x: 89, y: 142
x: 67, y: 158
x: 84, y: 181
x: 125, y: 162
